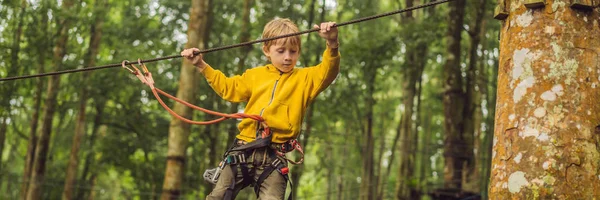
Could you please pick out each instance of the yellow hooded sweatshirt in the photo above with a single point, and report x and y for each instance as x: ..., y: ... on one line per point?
x: 280, y: 98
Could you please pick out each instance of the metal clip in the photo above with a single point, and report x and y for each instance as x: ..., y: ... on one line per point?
x: 212, y: 175
x: 129, y: 69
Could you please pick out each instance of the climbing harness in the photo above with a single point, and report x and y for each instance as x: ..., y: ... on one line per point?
x: 247, y: 160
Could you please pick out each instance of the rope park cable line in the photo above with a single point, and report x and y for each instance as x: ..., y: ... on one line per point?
x: 145, y: 77
x: 229, y: 46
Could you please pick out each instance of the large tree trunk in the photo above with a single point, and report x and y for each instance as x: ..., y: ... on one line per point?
x: 41, y: 152
x: 95, y: 35
x: 456, y: 145
x: 179, y: 130
x: 547, y: 137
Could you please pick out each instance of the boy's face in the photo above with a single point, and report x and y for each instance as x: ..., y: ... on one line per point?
x: 283, y: 56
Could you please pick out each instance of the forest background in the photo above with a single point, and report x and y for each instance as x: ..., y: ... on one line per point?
x: 380, y: 131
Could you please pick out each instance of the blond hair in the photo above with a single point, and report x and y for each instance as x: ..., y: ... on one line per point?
x: 281, y: 26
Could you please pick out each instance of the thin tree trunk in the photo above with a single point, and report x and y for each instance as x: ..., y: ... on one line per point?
x: 393, y: 154
x: 456, y: 151
x: 37, y: 99
x: 211, y: 133
x: 415, y: 172
x: 10, y: 87
x: 39, y: 166
x: 298, y: 170
x: 408, y: 135
x: 490, y: 93
x: 367, y: 183
x: 381, y: 179
x: 472, y: 110
x: 100, y: 104
x: 95, y: 35
x: 179, y: 130
x: 93, y: 180
x: 427, y: 141
x: 329, y: 170
x: 12, y: 193
x: 3, y: 127
x: 547, y: 136
x: 94, y: 173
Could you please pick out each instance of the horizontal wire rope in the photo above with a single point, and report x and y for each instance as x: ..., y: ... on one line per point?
x: 228, y: 46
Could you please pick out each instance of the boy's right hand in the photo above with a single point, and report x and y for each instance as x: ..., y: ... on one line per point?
x: 196, y: 60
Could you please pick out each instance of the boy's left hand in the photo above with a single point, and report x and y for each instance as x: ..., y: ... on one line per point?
x: 328, y: 31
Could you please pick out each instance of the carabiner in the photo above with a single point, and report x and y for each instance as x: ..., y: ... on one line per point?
x: 130, y: 70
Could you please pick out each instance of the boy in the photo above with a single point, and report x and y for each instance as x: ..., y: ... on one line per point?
x: 280, y: 94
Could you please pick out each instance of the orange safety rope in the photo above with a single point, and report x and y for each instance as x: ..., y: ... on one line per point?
x: 146, y: 78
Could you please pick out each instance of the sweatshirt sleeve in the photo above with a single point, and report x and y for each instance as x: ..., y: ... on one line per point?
x: 325, y: 72
x: 233, y: 89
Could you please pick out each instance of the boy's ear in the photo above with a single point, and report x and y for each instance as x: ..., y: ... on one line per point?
x: 266, y: 51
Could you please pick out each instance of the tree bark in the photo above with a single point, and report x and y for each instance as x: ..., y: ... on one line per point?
x: 41, y: 152
x: 547, y: 136
x: 456, y: 148
x: 95, y: 36
x: 179, y: 130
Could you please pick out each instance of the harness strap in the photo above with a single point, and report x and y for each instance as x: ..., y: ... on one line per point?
x: 257, y: 143
x: 281, y: 168
x: 266, y: 172
x: 229, y: 193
